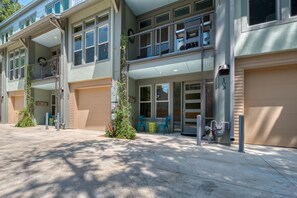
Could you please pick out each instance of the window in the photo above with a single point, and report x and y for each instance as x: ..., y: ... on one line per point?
x: 179, y: 12
x: 145, y: 100
x: 145, y: 23
x: 49, y: 9
x: 262, y: 11
x: 91, y: 40
x: 293, y: 7
x: 162, y: 18
x: 57, y: 7
x: 17, y: 64
x: 203, y: 5
x: 164, y: 36
x: 78, y: 50
x: 5, y: 36
x: 53, y: 104
x: 90, y: 46
x: 103, y: 43
x: 28, y: 21
x: 162, y: 100
x: 145, y: 45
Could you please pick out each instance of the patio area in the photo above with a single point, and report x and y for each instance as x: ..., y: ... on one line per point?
x: 36, y: 162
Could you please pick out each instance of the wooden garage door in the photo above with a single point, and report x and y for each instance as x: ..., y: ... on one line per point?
x: 17, y: 106
x: 94, y: 108
x: 270, y: 106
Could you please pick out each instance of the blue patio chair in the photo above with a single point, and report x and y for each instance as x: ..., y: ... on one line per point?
x: 165, y: 125
x: 141, y: 123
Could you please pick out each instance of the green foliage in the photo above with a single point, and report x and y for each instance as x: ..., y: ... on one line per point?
x: 120, y: 126
x: 27, y: 119
x: 7, y: 8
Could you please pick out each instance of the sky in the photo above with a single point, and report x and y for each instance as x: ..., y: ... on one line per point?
x: 24, y: 2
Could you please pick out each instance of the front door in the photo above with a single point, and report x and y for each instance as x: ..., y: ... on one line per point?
x: 191, y: 106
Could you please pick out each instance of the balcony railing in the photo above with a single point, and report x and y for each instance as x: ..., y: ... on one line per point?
x: 45, y: 69
x: 185, y: 35
x: 75, y: 2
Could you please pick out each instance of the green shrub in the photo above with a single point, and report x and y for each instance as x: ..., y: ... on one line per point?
x: 27, y: 119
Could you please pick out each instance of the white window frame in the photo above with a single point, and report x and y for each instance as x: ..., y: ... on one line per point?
x: 164, y: 42
x: 161, y: 15
x: 83, y: 32
x: 93, y: 46
x: 146, y: 19
x: 147, y: 46
x: 11, y: 75
x: 179, y: 8
x: 150, y: 101
x: 103, y: 43
x: 81, y: 49
x: 157, y: 101
x: 13, y: 59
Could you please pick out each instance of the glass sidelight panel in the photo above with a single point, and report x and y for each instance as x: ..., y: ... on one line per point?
x: 177, y: 106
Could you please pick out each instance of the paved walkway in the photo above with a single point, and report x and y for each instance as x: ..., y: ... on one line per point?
x: 77, y: 163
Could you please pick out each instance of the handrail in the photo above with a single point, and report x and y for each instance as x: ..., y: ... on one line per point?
x: 170, y: 24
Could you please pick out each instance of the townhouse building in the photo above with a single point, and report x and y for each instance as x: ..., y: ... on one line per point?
x: 73, y: 51
x: 218, y: 59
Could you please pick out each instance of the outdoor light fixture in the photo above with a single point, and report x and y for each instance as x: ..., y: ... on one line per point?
x: 55, y: 37
x: 224, y: 70
x: 175, y: 70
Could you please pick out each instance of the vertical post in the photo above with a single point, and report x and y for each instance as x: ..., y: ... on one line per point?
x: 58, y: 122
x: 199, y: 130
x: 241, y: 133
x: 46, y: 120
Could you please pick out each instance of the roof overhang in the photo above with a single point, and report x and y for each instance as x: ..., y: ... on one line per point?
x: 36, y: 29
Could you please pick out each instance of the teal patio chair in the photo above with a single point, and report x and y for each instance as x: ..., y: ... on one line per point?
x: 141, y: 123
x: 165, y: 125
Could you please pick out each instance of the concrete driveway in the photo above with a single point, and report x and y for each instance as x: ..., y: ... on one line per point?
x: 76, y: 163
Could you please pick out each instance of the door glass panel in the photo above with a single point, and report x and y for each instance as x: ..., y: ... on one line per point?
x: 193, y: 96
x: 193, y: 105
x: 192, y: 115
x: 177, y: 106
x: 195, y: 86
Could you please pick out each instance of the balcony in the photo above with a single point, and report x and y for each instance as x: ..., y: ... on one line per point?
x: 76, y: 2
x: 45, y: 69
x: 183, y: 36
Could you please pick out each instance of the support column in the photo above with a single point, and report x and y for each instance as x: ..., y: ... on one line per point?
x: 223, y: 56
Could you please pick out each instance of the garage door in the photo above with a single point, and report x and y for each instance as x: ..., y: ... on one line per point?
x: 270, y: 106
x: 17, y: 106
x: 93, y: 108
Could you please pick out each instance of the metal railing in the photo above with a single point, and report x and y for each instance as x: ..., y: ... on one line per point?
x: 49, y: 68
x: 184, y: 35
x: 75, y: 2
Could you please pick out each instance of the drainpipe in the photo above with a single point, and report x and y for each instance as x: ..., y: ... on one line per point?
x: 232, y: 70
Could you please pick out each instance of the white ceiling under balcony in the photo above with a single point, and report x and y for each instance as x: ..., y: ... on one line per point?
x: 139, y: 7
x: 49, y: 39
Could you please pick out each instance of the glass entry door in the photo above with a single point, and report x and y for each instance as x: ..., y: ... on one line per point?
x: 191, y: 106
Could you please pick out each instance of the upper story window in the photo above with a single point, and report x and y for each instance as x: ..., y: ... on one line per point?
x: 145, y: 23
x: 17, y: 64
x: 57, y: 6
x: 183, y: 11
x: 5, y: 36
x: 28, y: 21
x: 203, y: 5
x: 162, y: 18
x: 293, y: 7
x: 91, y: 40
x: 262, y: 11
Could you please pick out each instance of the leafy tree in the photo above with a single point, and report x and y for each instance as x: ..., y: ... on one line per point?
x: 7, y: 8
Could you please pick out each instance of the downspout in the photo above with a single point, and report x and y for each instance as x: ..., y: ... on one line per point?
x: 232, y: 70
